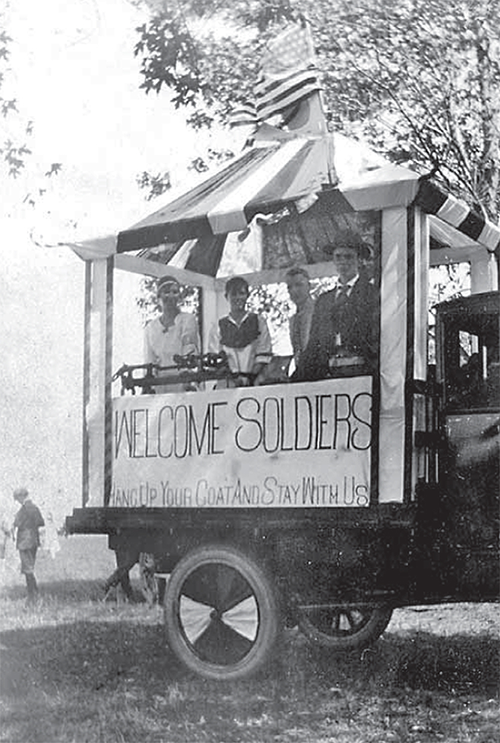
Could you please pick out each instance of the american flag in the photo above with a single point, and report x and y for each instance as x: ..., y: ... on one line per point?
x: 287, y: 75
x: 291, y: 50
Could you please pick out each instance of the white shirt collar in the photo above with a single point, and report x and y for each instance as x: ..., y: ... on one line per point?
x: 349, y: 283
x: 235, y: 322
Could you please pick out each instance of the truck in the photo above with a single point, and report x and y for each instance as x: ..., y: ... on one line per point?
x: 322, y: 504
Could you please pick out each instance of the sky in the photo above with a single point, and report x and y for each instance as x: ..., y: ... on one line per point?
x: 75, y: 76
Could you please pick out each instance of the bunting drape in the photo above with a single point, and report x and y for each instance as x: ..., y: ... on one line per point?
x: 284, y: 189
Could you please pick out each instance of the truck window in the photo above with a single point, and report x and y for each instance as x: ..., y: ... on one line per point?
x: 471, y: 361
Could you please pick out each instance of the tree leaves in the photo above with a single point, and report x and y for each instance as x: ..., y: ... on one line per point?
x: 154, y: 184
x: 419, y: 79
x: 169, y: 58
x: 15, y: 131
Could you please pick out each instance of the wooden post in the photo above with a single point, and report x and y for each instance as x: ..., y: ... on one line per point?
x: 97, y: 384
x: 393, y: 354
x: 86, y: 383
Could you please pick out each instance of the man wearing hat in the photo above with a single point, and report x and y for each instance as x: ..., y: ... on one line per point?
x: 28, y: 522
x: 172, y: 333
x: 344, y: 323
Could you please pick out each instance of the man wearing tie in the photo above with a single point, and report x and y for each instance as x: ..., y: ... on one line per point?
x: 297, y: 281
x: 344, y: 324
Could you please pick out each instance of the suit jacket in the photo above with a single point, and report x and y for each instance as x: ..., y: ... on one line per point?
x: 356, y: 322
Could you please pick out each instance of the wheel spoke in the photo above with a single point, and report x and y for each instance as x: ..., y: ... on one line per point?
x: 243, y: 618
x: 350, y: 622
x: 194, y: 618
x: 343, y: 626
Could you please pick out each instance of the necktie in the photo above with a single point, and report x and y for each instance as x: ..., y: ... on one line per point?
x: 342, y: 295
x: 298, y: 335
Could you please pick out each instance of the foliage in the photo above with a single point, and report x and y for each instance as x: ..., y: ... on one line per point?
x: 154, y: 184
x: 445, y: 282
x: 13, y: 149
x: 419, y: 79
x: 448, y: 282
x: 15, y: 129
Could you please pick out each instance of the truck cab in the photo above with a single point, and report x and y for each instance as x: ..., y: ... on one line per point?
x: 468, y: 418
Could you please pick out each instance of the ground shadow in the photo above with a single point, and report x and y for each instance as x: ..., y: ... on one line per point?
x: 100, y: 654
x: 419, y: 661
x: 55, y: 677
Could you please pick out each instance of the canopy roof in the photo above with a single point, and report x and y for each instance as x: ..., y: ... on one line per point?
x: 270, y: 176
x: 215, y: 229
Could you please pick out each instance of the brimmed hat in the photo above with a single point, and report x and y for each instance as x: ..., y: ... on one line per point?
x: 164, y: 281
x: 352, y: 240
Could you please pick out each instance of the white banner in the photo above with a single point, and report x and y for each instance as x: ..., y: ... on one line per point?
x: 299, y: 445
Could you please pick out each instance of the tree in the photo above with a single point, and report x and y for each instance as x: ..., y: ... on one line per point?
x: 16, y: 130
x: 419, y: 79
x: 13, y: 146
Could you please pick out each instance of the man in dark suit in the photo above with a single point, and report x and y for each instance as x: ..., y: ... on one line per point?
x: 344, y: 324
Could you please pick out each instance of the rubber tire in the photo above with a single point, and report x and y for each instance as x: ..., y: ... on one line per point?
x: 372, y: 624
x: 224, y: 561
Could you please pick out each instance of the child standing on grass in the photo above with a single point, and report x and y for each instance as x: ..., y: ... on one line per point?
x: 28, y: 522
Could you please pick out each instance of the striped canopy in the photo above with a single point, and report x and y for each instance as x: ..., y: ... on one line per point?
x: 261, y: 180
x: 280, y: 201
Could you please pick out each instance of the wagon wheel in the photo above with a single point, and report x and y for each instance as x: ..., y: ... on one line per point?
x: 343, y: 627
x: 221, y: 613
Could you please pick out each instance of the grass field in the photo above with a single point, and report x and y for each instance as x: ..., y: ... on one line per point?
x: 78, y: 670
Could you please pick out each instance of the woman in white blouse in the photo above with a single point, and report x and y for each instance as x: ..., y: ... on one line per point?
x: 172, y: 333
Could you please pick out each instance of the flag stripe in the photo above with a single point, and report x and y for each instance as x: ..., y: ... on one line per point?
x: 472, y: 225
x: 244, y: 111
x: 430, y: 198
x: 293, y: 96
x: 181, y: 256
x: 288, y: 72
x: 205, y: 258
x: 489, y: 237
x: 281, y: 94
x: 268, y: 89
x: 265, y: 179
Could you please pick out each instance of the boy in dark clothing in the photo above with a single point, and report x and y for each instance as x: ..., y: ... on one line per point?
x: 28, y: 521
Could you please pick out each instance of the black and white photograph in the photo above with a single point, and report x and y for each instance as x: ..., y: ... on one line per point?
x: 250, y: 441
